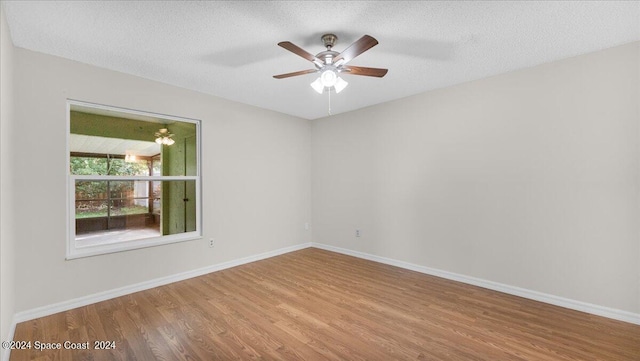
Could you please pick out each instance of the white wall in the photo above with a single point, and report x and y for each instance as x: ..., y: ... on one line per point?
x: 7, y: 240
x: 528, y: 179
x: 256, y: 180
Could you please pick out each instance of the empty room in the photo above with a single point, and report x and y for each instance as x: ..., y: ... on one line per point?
x: 319, y: 180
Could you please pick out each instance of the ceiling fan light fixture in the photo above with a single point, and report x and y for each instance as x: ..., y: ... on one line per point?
x: 340, y: 85
x: 164, y: 137
x: 317, y: 86
x: 328, y: 78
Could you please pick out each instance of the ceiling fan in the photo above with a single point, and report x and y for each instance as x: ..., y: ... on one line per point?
x: 330, y: 63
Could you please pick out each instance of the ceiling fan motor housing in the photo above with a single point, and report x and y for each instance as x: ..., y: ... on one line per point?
x: 327, y: 56
x: 329, y: 40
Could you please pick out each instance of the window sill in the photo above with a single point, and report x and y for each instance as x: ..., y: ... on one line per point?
x: 74, y: 252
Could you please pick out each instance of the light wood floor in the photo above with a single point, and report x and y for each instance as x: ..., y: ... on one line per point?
x: 318, y: 305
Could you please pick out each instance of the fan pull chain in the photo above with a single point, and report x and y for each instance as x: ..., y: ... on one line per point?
x: 329, y: 101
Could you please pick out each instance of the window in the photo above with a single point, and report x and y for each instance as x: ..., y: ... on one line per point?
x: 128, y: 188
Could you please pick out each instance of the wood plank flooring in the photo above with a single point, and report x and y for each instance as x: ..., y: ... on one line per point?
x: 318, y: 305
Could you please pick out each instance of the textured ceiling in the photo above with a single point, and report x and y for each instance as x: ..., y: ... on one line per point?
x: 229, y: 49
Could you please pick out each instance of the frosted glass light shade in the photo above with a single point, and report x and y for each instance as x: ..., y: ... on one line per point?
x: 340, y: 85
x: 317, y: 86
x: 328, y: 78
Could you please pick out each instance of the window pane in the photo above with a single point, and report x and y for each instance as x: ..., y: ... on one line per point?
x: 178, y: 207
x: 91, y: 190
x: 88, y: 166
x: 156, y: 169
x: 129, y: 197
x: 88, y: 209
x: 116, y: 211
x: 180, y: 159
x: 134, y: 166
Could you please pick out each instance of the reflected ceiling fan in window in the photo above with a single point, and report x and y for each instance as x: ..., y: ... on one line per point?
x: 329, y: 64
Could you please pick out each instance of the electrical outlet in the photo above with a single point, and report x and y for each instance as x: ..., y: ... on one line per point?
x: 211, y: 243
x: 306, y: 226
x: 357, y: 233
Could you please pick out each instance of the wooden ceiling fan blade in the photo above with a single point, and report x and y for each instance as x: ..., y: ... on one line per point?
x: 295, y: 73
x: 299, y: 51
x: 360, y: 46
x: 361, y: 70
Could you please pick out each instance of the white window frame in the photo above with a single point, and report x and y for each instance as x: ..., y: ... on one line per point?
x: 73, y: 251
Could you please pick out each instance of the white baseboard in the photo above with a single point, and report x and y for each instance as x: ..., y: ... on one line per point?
x: 106, y: 295
x: 612, y: 313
